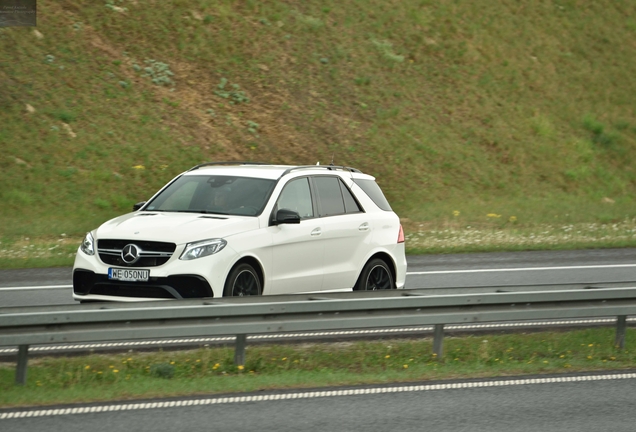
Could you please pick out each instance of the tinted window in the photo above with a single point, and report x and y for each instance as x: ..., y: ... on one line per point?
x: 351, y: 205
x: 372, y: 189
x: 297, y: 197
x: 329, y: 196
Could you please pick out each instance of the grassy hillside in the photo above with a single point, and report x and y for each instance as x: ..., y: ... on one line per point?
x: 462, y: 109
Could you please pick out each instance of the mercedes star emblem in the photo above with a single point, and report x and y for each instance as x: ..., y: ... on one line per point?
x: 130, y: 254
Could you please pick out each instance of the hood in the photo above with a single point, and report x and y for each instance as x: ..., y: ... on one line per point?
x: 179, y: 228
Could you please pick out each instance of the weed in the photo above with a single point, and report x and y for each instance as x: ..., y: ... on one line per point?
x: 386, y: 49
x: 157, y: 71
x: 235, y: 94
x: 600, y: 137
x: 311, y: 22
x: 65, y: 116
x: 591, y: 124
x: 252, y: 127
x: 111, y: 4
x: 173, y: 104
x: 162, y: 370
x: 362, y: 81
x: 101, y: 203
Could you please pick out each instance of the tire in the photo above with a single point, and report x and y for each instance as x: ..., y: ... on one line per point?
x: 376, y: 275
x: 242, y: 281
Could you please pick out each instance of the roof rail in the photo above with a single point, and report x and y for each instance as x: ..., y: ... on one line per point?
x: 227, y: 163
x: 327, y: 167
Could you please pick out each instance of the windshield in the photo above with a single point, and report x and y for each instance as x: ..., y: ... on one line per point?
x: 225, y: 195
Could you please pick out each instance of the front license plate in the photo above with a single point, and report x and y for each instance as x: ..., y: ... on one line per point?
x: 128, y: 275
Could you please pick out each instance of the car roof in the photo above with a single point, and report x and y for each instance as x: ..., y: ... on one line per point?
x: 273, y: 172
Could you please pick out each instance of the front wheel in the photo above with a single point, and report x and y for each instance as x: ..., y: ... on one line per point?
x: 375, y: 275
x: 242, y: 281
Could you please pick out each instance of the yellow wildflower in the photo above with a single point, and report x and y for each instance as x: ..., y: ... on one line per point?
x: 139, y: 167
x: 455, y: 213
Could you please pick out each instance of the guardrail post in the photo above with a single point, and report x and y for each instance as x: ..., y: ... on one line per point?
x: 239, y: 351
x: 621, y: 328
x: 438, y: 341
x: 21, y: 370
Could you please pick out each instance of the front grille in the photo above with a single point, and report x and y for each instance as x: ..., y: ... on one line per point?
x: 172, y: 287
x: 152, y: 254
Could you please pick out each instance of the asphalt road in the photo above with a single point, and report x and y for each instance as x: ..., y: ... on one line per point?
x: 516, y: 405
x: 33, y: 287
x: 524, y: 405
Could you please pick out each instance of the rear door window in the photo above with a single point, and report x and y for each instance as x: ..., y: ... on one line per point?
x: 330, y: 202
x: 334, y: 198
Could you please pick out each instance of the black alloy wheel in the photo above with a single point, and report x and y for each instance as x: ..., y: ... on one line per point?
x: 243, y: 281
x: 376, y: 275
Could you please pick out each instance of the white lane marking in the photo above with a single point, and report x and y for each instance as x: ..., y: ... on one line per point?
x: 36, y: 287
x: 388, y: 331
x: 20, y: 288
x: 309, y: 395
x: 522, y: 269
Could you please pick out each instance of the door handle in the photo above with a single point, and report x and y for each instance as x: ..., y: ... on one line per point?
x: 364, y: 227
x: 316, y: 232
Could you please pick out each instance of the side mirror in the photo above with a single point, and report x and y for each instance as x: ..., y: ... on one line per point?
x: 285, y: 216
x: 138, y: 205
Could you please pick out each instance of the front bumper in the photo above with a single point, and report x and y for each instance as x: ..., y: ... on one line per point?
x: 88, y: 284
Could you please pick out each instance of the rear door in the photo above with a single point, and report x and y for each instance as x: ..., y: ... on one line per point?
x: 346, y: 232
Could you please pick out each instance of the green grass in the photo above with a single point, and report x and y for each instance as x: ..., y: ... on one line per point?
x: 453, y: 105
x: 54, y: 380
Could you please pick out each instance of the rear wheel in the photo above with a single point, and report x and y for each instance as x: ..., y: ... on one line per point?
x: 242, y: 281
x: 375, y: 275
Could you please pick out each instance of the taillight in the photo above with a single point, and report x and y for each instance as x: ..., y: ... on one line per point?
x: 401, y: 235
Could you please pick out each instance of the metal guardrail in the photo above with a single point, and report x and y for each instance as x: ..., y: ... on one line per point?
x: 24, y: 326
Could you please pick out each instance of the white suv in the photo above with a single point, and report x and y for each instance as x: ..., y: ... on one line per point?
x: 238, y: 229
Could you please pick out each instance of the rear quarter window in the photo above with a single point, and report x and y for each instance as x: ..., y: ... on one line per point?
x: 371, y: 188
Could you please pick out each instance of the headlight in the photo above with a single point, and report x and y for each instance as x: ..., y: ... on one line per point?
x: 88, y: 244
x: 202, y: 248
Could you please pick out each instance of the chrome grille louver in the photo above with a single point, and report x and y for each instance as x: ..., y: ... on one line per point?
x: 151, y: 253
